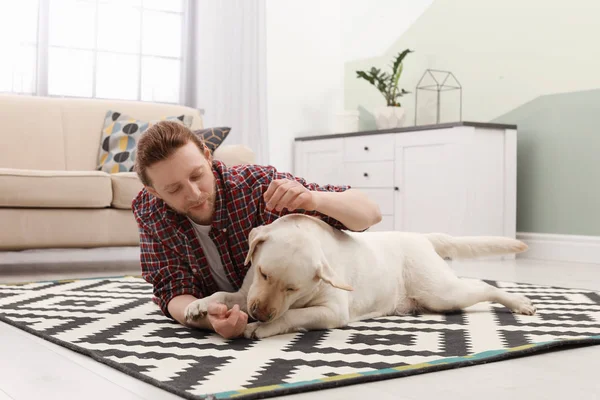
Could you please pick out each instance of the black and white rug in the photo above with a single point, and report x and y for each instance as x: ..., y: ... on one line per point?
x: 114, y: 321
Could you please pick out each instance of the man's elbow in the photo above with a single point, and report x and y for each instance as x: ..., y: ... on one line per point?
x: 376, y: 216
x: 371, y: 216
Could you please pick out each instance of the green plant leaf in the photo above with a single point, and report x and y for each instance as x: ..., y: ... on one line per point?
x: 363, y: 74
x: 387, y: 84
x: 399, y: 59
x: 397, y: 71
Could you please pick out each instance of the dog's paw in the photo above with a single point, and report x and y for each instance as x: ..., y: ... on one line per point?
x: 524, y: 306
x: 251, y: 330
x: 196, y: 310
x: 261, y: 330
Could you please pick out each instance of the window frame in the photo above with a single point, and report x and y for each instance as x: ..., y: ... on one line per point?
x: 185, y: 91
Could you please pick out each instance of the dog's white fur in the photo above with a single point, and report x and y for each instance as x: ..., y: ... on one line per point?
x: 307, y: 275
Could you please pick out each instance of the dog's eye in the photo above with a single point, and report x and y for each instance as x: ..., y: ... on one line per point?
x: 291, y: 289
x: 263, y: 275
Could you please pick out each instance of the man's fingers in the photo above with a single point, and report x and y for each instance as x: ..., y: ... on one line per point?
x: 288, y: 198
x: 227, y: 323
x: 217, y: 309
x: 275, y: 191
x: 284, y: 195
x: 276, y: 196
x: 233, y: 318
x: 272, y: 188
x: 241, y: 324
x: 218, y: 325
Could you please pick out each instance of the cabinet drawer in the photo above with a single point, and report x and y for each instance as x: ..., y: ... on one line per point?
x: 383, y: 197
x: 370, y: 174
x: 369, y: 148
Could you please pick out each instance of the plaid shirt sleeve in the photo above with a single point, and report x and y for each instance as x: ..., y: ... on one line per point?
x: 273, y: 174
x: 169, y: 275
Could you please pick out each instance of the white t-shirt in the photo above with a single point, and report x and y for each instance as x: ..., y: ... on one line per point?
x: 212, y: 256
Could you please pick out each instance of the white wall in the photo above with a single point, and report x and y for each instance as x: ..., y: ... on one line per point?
x: 308, y: 43
x: 304, y: 72
x: 370, y: 28
x: 503, y: 52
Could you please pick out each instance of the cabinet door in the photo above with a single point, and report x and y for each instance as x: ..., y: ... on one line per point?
x: 320, y: 161
x: 430, y: 175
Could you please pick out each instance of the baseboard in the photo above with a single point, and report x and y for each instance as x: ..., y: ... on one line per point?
x: 569, y: 248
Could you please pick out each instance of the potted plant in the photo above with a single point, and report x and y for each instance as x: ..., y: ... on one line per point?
x: 392, y: 114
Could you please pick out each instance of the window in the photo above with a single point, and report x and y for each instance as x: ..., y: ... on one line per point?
x: 119, y: 49
x: 18, y: 46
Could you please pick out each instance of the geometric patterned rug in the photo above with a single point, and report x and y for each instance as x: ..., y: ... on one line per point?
x: 114, y: 321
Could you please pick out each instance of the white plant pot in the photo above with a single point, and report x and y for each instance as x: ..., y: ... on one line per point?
x: 390, y: 117
x: 346, y: 121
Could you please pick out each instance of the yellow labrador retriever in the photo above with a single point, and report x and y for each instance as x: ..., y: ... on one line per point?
x: 306, y: 275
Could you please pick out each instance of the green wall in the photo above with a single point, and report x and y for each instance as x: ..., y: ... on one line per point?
x: 558, y: 163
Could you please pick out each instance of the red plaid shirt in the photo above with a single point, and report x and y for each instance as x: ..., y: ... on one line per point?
x: 172, y: 259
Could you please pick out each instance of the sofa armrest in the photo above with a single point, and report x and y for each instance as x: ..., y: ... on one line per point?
x: 234, y: 154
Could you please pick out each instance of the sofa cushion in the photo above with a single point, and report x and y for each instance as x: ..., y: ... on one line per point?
x: 31, y: 134
x: 213, y: 137
x: 120, y: 136
x: 67, y: 228
x: 125, y: 186
x: 54, y: 189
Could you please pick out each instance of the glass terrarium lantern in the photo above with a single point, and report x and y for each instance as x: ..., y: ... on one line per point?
x: 438, y: 81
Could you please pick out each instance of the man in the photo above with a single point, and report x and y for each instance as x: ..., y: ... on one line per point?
x: 194, y: 216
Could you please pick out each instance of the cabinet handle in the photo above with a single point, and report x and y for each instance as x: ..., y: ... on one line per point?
x: 366, y: 148
x: 365, y: 174
x: 396, y: 188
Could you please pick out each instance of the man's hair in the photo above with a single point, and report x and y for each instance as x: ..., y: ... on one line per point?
x: 159, y: 142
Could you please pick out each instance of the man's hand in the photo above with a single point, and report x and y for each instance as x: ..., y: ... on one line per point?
x: 290, y: 194
x: 227, y: 323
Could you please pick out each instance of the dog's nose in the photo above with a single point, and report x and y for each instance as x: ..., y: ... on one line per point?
x: 253, y: 309
x: 264, y: 315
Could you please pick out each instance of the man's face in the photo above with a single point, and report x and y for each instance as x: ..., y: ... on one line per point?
x: 185, y: 181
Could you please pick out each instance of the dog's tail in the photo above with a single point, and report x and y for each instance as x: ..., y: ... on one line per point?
x: 474, y: 246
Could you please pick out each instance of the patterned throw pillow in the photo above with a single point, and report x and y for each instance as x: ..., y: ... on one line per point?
x: 119, y: 139
x: 213, y: 137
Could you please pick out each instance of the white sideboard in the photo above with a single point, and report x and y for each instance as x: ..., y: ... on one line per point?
x: 457, y: 178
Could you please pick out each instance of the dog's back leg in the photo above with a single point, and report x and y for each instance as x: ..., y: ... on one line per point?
x: 436, y: 287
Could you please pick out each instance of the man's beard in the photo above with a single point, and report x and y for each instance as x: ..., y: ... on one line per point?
x: 203, y: 215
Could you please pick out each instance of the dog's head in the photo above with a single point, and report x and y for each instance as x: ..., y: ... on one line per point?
x: 289, y: 264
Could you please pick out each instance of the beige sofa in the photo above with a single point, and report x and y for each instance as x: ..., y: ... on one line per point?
x: 51, y: 195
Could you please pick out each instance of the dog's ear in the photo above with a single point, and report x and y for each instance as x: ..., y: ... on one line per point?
x: 327, y: 274
x: 257, y: 235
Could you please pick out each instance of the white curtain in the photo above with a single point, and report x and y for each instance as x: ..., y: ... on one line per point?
x: 228, y: 58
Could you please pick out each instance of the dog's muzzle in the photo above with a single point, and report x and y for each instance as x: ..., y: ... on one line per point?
x: 259, y: 313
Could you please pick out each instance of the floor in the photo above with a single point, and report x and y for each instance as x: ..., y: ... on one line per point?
x: 33, y: 368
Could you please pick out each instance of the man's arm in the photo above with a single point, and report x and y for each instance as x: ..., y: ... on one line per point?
x: 169, y: 275
x: 351, y: 207
x: 177, y: 307
x: 175, y: 288
x: 229, y: 323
